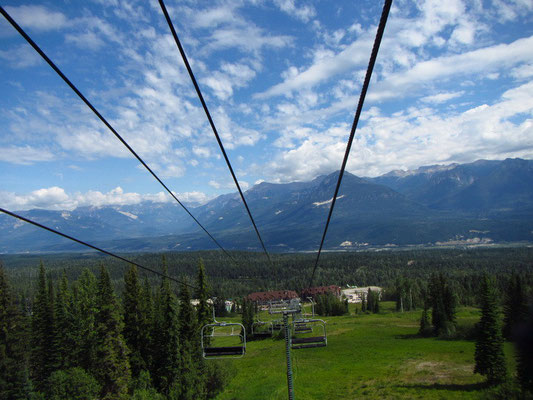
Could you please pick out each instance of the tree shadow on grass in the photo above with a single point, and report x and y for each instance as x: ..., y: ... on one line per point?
x: 410, y: 336
x: 453, y: 338
x: 468, y: 387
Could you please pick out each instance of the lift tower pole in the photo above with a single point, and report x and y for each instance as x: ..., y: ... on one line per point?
x: 288, y: 353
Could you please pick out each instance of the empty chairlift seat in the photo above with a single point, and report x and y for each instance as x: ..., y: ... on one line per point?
x: 262, y: 329
x: 223, y: 340
x: 308, y: 333
x: 302, y: 327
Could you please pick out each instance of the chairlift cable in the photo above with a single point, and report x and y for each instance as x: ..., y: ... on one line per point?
x: 211, y: 123
x: 106, y: 123
x: 29, y: 221
x: 373, y: 57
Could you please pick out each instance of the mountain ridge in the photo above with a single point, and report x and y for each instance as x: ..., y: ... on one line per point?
x: 484, y: 201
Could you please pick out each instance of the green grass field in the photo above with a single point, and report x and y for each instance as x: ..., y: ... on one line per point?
x: 367, y: 357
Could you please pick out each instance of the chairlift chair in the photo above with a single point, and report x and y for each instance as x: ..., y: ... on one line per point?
x: 312, y: 308
x: 221, y: 342
x: 308, y: 333
x: 280, y: 307
x: 277, y: 325
x: 262, y: 329
x: 302, y: 327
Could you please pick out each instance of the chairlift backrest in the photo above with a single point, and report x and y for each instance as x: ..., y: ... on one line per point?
x: 257, y: 332
x: 279, y: 307
x: 212, y: 350
x: 308, y: 333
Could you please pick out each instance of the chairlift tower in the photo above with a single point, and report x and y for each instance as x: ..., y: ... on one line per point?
x: 287, y: 308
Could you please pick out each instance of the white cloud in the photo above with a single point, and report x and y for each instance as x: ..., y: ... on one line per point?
x: 93, y: 33
x: 324, y: 68
x: 415, y: 137
x: 213, y: 17
x: 508, y: 10
x: 229, y: 77
x: 56, y: 198
x: 441, y: 97
x: 229, y: 29
x: 22, y: 56
x: 489, y: 59
x: 249, y: 39
x: 304, y: 13
x: 201, y: 151
x: 523, y: 71
x: 38, y: 18
x: 193, y: 197
x: 406, y: 36
x: 233, y: 134
x: 214, y: 184
x: 25, y: 155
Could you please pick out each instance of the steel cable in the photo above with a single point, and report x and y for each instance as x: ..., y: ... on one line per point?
x: 373, y: 57
x: 211, y: 123
x: 29, y: 221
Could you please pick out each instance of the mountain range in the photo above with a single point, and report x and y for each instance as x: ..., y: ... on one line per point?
x: 483, y: 202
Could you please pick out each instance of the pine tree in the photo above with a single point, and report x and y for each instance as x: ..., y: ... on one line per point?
x: 202, y: 294
x: 247, y: 315
x: 113, y: 371
x: 443, y: 306
x: 489, y: 357
x: 400, y: 294
x: 524, y: 355
x: 66, y: 342
x: 425, y: 326
x: 147, y: 324
x: 165, y: 351
x: 220, y: 307
x: 186, y: 317
x: 191, y: 383
x: 133, y: 320
x: 514, y: 307
x: 42, y: 335
x: 84, y: 308
x: 14, y: 363
x: 450, y: 306
x: 370, y: 300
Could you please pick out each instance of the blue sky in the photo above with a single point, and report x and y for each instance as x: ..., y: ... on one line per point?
x: 453, y: 83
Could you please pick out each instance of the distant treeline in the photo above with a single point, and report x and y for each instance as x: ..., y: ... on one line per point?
x: 251, y: 272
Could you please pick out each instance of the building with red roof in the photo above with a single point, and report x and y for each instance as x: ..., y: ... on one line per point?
x: 274, y: 295
x: 315, y: 291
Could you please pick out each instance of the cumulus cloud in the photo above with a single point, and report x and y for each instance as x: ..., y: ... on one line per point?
x: 418, y: 136
x: 56, y: 198
x: 230, y: 76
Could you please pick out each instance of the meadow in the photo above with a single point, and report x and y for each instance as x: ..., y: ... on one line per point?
x: 368, y: 356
